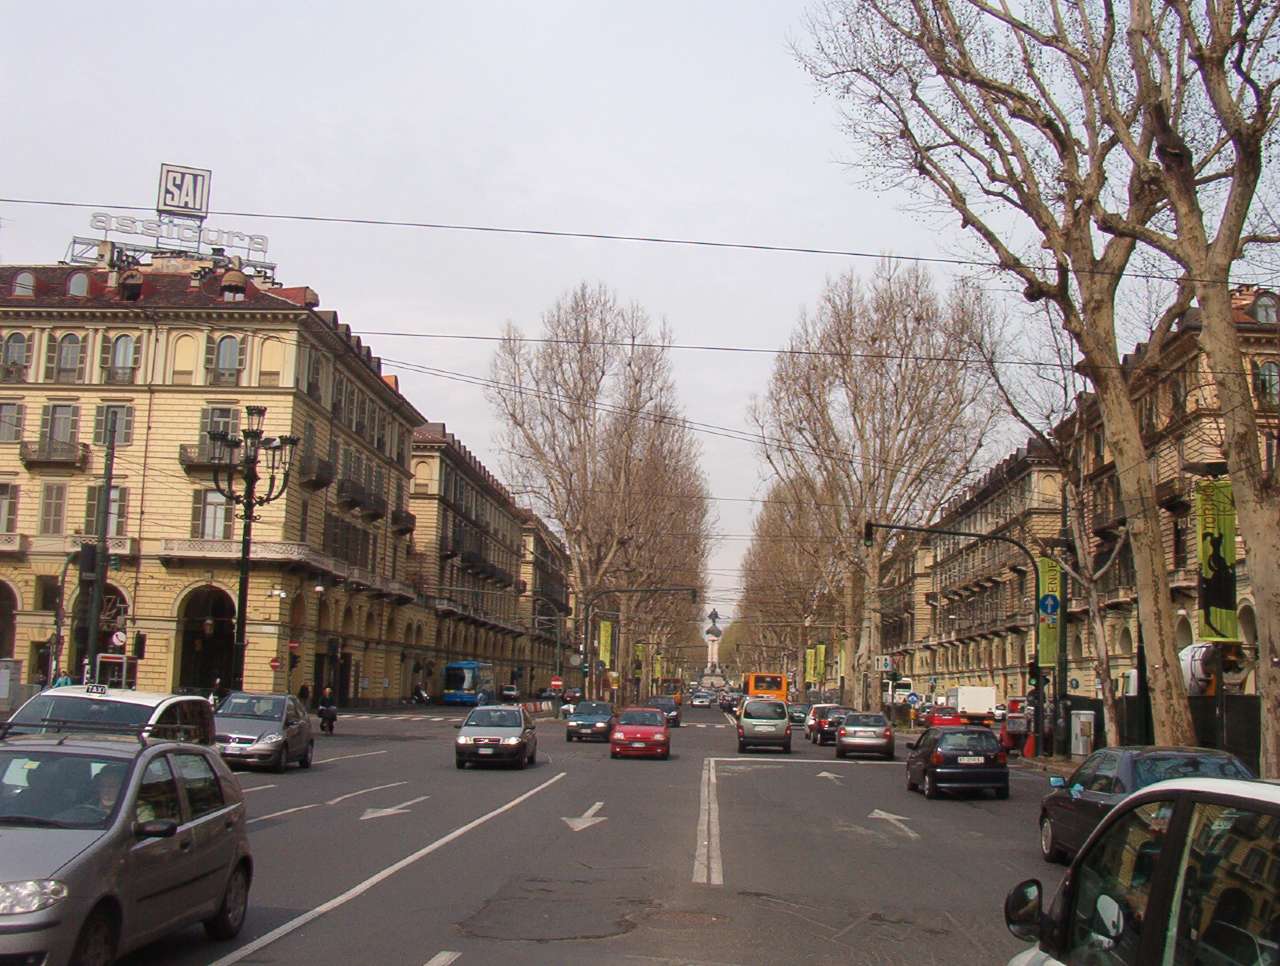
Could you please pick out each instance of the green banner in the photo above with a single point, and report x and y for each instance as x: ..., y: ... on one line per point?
x: 606, y: 642
x: 657, y: 666
x: 808, y: 665
x: 1216, y: 535
x: 1050, y: 611
x: 820, y: 663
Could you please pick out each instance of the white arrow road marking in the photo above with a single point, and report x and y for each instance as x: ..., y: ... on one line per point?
x: 897, y: 821
x: 832, y: 775
x: 443, y: 958
x: 401, y: 809
x: 363, y: 791
x: 587, y: 820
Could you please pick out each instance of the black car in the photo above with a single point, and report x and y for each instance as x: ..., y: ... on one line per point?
x: 952, y: 759
x: 796, y: 713
x: 590, y: 721
x: 667, y: 705
x: 827, y: 723
x: 1077, y: 804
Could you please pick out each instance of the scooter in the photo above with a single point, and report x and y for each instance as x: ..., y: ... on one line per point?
x: 328, y: 716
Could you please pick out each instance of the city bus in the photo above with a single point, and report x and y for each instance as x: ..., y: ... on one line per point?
x: 896, y: 693
x: 468, y: 682
x: 760, y: 684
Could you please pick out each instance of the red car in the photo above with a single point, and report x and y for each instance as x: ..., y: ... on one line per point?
x: 941, y: 716
x: 641, y: 733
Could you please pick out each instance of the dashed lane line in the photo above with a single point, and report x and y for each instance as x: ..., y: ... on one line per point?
x: 442, y: 958
x: 363, y: 754
x: 287, y: 811
x: 363, y: 791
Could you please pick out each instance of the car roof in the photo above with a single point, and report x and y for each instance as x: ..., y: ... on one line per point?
x: 124, y: 746
x: 260, y: 694
x: 148, y: 698
x: 1258, y: 791
x: 639, y: 707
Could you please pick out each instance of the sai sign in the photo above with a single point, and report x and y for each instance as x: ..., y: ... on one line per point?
x: 184, y: 191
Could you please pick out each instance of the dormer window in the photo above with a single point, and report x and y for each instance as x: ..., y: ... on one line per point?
x: 78, y: 285
x: 24, y: 285
x: 1265, y: 309
x: 234, y: 284
x: 131, y: 286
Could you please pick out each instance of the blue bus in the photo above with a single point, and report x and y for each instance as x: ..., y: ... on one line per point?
x: 468, y: 682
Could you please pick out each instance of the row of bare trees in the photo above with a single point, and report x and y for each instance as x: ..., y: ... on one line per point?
x: 592, y: 431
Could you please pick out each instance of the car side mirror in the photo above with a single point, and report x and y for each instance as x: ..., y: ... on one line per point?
x: 160, y: 828
x: 1022, y: 910
x: 457, y: 727
x: 1057, y: 781
x: 913, y: 745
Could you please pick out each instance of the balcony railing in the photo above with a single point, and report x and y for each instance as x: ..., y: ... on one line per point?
x: 116, y: 546
x: 1174, y: 494
x: 202, y: 455
x: 375, y: 507
x: 315, y: 473
x: 12, y: 372
x: 118, y: 375
x: 224, y: 377
x: 351, y: 494
x: 402, y: 521
x: 13, y: 543
x: 473, y: 559
x: 54, y: 452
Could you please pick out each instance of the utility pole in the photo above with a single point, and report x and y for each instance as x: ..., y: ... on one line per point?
x: 1061, y: 739
x: 94, y: 617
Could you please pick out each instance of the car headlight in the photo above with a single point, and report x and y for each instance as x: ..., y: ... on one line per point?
x: 33, y: 895
x: 602, y: 724
x: 271, y: 739
x: 465, y: 739
x: 511, y: 741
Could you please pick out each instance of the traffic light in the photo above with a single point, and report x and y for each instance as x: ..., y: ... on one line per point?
x: 88, y: 562
x: 140, y: 645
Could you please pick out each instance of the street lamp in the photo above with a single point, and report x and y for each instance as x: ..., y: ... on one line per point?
x: 251, y: 445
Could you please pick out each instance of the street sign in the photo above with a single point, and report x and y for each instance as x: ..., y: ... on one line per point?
x: 557, y: 682
x: 294, y: 645
x: 1075, y: 684
x: 1049, y: 604
x: 884, y: 662
x: 913, y: 699
x: 274, y: 664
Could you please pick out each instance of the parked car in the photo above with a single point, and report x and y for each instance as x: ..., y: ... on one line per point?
x: 865, y: 734
x: 111, y: 843
x: 95, y: 707
x: 796, y: 713
x: 667, y: 705
x: 590, y: 721
x: 503, y: 733
x: 641, y: 733
x: 1173, y: 874
x: 263, y: 729
x: 1077, y: 804
x: 944, y: 716
x: 811, y: 719
x: 764, y: 721
x: 509, y: 694
x: 952, y: 759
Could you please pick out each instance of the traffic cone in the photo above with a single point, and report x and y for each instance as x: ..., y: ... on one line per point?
x: 1029, y: 748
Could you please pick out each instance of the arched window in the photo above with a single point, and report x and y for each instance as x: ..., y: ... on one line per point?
x: 118, y: 358
x: 122, y: 352
x: 67, y: 367
x: 78, y: 285
x: 16, y: 349
x: 24, y: 284
x: 1267, y: 385
x: 225, y: 357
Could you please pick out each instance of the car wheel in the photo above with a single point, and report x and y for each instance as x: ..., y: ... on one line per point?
x: 613, y: 754
x: 460, y: 763
x: 840, y: 753
x: 889, y: 756
x: 665, y: 755
x: 568, y: 737
x: 786, y: 749
x: 930, y: 786
x: 523, y: 760
x: 1050, y: 850
x: 741, y: 747
x: 281, y: 760
x: 533, y: 755
x: 235, y: 900
x: 911, y: 786
x: 305, y: 760
x: 96, y: 944
x: 1002, y: 792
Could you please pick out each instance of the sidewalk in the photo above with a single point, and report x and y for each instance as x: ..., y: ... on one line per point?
x: 1049, y: 766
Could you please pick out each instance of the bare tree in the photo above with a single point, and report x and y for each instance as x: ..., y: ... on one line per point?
x: 1007, y: 129
x: 869, y: 416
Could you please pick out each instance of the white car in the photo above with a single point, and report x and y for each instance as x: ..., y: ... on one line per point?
x: 700, y: 700
x: 1176, y: 873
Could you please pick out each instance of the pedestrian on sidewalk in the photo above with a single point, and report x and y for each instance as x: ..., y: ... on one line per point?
x: 304, y: 696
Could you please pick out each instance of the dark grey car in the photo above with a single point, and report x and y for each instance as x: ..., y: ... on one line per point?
x: 263, y: 729
x: 112, y: 841
x: 503, y: 733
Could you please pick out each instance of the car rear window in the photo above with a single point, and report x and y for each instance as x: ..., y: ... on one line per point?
x: 943, y: 710
x: 765, y: 710
x: 652, y: 719
x: 592, y: 707
x: 90, y: 711
x: 982, y: 742
x: 1149, y: 769
x: 864, y: 721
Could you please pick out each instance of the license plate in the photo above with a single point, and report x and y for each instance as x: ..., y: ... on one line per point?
x: 766, y: 728
x: 971, y: 759
x: 637, y: 744
x: 864, y: 734
x: 486, y: 751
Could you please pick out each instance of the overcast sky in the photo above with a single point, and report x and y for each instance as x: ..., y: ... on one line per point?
x: 687, y: 119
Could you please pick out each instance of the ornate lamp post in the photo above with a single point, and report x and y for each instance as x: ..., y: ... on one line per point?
x: 251, y: 445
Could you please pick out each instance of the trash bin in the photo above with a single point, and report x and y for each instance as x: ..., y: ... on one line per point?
x: 1081, y: 734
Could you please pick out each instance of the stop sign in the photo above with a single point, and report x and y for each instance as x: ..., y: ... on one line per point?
x: 557, y: 682
x: 275, y: 663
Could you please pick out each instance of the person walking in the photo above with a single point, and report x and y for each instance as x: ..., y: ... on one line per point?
x: 304, y: 696
x: 328, y: 711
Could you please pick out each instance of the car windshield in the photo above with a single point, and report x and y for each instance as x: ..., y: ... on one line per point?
x: 1149, y: 769
x: 493, y: 718
x: 252, y: 706
x: 980, y: 742
x: 830, y: 713
x: 864, y: 721
x: 56, y: 790
x: 798, y: 707
x: 652, y: 719
x: 593, y: 708
x: 765, y: 710
x: 82, y: 710
x: 663, y: 702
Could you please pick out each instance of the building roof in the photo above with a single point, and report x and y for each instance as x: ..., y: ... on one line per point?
x: 436, y: 435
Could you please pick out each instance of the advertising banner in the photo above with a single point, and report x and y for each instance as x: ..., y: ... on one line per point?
x: 808, y: 665
x: 820, y: 663
x: 606, y: 642
x: 1049, y: 610
x: 1216, y: 538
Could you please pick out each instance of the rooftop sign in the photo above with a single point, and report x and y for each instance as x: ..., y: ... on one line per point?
x: 184, y: 192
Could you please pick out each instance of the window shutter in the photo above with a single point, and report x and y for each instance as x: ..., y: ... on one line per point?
x: 11, y: 521
x: 228, y: 520
x: 137, y: 351
x: 19, y: 411
x: 197, y: 504
x: 235, y: 422
x: 210, y: 353
x: 124, y: 427
x: 206, y: 424
x: 26, y: 349
x: 75, y: 425
x: 91, y: 511
x: 82, y: 358
x: 46, y: 418
x: 50, y: 356
x: 122, y: 513
x: 242, y: 351
x: 100, y: 426
x: 104, y: 352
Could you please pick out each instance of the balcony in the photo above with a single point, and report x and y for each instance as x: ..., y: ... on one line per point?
x: 204, y: 455
x: 118, y: 375
x: 224, y: 377
x: 1108, y: 518
x: 313, y: 389
x: 473, y: 560
x: 116, y: 546
x: 402, y: 521
x: 12, y: 372
x: 13, y: 543
x: 1188, y: 578
x: 1174, y: 494
x: 351, y: 494
x: 315, y: 473
x: 375, y: 506
x: 54, y: 453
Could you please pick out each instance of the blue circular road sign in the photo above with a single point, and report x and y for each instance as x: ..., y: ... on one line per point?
x: 913, y: 698
x: 1049, y: 604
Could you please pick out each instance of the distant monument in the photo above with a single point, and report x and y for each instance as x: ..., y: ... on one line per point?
x: 713, y: 635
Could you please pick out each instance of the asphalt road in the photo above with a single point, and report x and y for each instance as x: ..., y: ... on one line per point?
x: 385, y: 853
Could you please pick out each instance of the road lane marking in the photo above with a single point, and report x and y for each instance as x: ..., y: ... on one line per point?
x: 442, y: 958
x: 438, y: 719
x: 825, y: 762
x: 586, y: 820
x: 401, y: 809
x: 715, y: 871
x: 363, y: 754
x: 254, y: 788
x: 707, y: 867
x: 287, y: 811
x: 361, y: 888
x: 733, y: 722
x: 363, y: 791
x: 897, y: 821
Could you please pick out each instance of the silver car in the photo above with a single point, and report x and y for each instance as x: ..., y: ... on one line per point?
x: 764, y: 721
x: 263, y: 729
x: 111, y: 841
x: 864, y: 734
x: 504, y: 733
